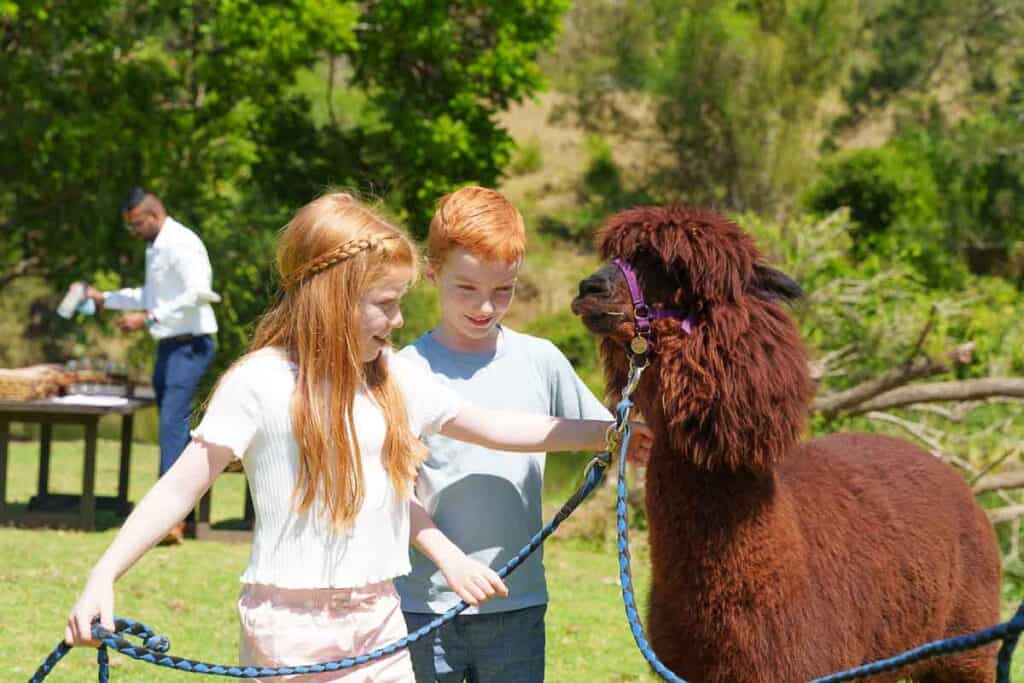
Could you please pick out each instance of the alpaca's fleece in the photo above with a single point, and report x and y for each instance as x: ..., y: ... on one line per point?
x: 776, y: 559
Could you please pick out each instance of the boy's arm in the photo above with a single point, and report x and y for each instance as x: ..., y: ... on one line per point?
x: 472, y: 581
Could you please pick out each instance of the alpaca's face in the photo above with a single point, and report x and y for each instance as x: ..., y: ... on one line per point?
x: 604, y: 303
x: 728, y: 385
x: 689, y: 261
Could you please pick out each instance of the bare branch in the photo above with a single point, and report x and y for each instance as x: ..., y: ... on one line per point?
x: 999, y: 481
x: 1014, y: 452
x: 22, y: 268
x: 962, y: 390
x: 833, y: 404
x: 955, y: 414
x: 923, y: 335
x: 1005, y: 514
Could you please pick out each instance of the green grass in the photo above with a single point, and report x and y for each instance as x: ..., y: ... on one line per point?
x: 188, y: 593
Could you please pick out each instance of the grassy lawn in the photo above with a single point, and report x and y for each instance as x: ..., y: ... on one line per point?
x: 188, y: 593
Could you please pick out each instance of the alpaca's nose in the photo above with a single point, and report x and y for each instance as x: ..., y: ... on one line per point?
x: 594, y: 285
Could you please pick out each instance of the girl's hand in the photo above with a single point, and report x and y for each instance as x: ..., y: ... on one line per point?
x: 640, y: 444
x: 473, y: 581
x: 96, y: 600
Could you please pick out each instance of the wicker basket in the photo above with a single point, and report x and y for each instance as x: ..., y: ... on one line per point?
x: 32, y: 383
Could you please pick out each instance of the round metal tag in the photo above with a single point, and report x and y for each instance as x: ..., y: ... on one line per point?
x: 638, y: 345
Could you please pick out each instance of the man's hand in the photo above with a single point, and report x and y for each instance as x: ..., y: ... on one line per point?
x: 94, y: 294
x: 129, y: 322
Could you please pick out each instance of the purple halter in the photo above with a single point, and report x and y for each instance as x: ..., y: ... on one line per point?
x: 643, y: 314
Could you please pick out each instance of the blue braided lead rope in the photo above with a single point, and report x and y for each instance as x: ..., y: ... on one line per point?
x: 1008, y: 632
x: 155, y: 646
x: 622, y: 534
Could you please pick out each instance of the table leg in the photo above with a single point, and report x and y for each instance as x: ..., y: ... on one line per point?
x: 5, y: 435
x: 124, y: 471
x: 88, y: 510
x: 45, y: 437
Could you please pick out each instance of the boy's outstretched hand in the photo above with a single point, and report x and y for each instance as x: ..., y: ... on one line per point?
x: 473, y: 581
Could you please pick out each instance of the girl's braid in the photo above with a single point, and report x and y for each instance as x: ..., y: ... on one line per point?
x: 342, y: 252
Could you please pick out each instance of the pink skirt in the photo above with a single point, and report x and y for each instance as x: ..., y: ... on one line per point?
x: 283, y: 627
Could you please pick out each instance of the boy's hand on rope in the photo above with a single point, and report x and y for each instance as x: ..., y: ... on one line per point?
x: 96, y: 600
x: 640, y: 444
x: 474, y: 582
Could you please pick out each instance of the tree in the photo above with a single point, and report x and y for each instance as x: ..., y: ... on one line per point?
x: 909, y: 49
x: 724, y: 96
x: 212, y: 105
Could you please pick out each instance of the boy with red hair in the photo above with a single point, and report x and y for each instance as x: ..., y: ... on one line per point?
x: 486, y: 502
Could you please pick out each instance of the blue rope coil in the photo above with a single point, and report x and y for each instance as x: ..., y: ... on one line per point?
x: 1008, y: 632
x: 155, y: 647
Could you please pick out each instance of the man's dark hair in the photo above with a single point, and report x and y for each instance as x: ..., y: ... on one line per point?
x: 134, y: 197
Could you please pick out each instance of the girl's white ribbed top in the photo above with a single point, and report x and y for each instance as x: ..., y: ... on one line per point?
x: 250, y: 414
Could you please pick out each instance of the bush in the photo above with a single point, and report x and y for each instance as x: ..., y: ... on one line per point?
x: 893, y: 197
x: 528, y: 158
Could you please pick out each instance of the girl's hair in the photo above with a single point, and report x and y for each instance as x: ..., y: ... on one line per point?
x: 328, y: 255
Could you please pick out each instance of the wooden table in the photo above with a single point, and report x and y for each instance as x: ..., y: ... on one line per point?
x: 50, y: 509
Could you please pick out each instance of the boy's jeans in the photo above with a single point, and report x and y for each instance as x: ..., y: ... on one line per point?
x: 503, y: 647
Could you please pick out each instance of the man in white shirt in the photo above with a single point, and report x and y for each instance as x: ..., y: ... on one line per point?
x: 174, y: 304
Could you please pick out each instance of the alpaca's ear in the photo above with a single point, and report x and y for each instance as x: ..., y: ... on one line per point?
x: 770, y: 284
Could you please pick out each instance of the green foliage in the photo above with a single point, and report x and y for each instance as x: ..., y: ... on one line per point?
x: 601, y: 191
x: 211, y: 106
x: 438, y: 76
x: 528, y: 158
x: 862, y: 317
x: 943, y: 199
x: 981, y: 166
x: 869, y: 311
x: 893, y: 197
x: 724, y: 95
x: 907, y: 44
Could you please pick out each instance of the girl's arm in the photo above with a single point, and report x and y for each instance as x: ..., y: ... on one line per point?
x: 170, y: 499
x: 472, y: 581
x: 528, y: 432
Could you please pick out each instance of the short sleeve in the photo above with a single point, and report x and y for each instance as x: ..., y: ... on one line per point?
x: 571, y: 397
x: 428, y: 401
x: 233, y: 414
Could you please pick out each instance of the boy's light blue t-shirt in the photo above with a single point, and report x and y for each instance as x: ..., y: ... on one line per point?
x: 489, y: 502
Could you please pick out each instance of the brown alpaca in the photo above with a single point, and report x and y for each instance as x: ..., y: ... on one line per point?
x: 774, y: 559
